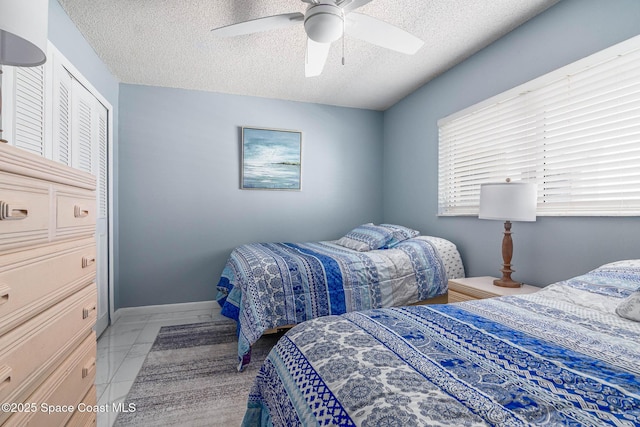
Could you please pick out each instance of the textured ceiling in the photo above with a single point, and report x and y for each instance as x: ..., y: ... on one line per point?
x: 168, y: 43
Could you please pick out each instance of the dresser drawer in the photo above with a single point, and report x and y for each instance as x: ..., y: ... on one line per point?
x: 61, y: 393
x: 33, y: 350
x: 83, y: 417
x: 34, y: 280
x: 24, y: 211
x: 75, y: 212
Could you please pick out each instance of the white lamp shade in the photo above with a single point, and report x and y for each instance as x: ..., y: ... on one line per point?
x: 508, y: 201
x: 23, y: 32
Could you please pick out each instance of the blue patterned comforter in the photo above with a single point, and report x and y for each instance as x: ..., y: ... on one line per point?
x: 268, y: 285
x: 560, y: 356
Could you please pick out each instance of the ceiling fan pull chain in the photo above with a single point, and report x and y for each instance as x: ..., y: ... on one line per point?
x: 320, y: 23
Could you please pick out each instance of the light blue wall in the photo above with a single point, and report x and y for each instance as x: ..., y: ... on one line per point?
x: 181, y: 209
x: 550, y: 249
x: 180, y: 212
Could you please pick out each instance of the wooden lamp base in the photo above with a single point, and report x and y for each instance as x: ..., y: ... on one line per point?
x: 508, y: 283
x: 507, y: 252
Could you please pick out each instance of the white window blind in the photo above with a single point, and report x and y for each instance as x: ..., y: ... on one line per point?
x: 574, y: 132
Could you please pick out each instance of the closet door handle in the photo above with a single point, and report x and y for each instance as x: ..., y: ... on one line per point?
x: 79, y: 212
x: 11, y: 212
x: 4, y: 294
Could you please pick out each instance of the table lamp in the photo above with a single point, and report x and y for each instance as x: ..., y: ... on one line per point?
x: 508, y: 201
x: 23, y: 36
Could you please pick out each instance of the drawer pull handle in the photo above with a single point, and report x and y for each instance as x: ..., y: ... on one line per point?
x: 4, y: 294
x: 79, y: 212
x: 5, y: 376
x: 88, y: 368
x: 10, y: 212
x: 86, y: 312
x: 87, y: 261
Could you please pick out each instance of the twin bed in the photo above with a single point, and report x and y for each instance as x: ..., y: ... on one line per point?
x: 567, y: 355
x: 266, y: 286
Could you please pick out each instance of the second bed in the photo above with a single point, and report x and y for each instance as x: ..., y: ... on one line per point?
x: 265, y: 286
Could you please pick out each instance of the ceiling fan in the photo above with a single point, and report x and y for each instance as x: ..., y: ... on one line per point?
x: 325, y: 21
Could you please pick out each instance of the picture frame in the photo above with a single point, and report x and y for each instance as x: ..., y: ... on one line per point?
x: 271, y: 159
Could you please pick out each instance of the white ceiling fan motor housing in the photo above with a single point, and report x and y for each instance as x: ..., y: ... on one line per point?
x: 324, y: 23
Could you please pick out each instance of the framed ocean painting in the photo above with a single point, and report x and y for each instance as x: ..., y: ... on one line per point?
x: 271, y: 159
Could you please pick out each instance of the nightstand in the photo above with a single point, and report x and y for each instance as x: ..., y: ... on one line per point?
x: 472, y: 288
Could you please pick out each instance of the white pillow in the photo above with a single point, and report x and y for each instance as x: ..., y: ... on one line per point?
x: 629, y: 308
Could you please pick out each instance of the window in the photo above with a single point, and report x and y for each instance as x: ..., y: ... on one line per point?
x: 575, y: 132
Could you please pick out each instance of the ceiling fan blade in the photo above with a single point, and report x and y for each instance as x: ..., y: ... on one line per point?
x: 380, y: 33
x: 260, y: 24
x: 349, y: 5
x: 316, y: 57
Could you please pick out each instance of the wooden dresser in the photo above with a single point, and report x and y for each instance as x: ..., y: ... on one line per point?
x: 47, y: 291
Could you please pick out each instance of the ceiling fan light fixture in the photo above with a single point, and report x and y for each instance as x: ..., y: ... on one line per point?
x: 324, y: 23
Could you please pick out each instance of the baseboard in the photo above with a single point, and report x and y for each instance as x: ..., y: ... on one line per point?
x: 165, y: 308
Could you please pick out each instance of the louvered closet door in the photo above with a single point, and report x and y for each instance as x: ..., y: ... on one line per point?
x: 89, y: 136
x: 83, y: 136
x: 62, y: 82
x: 28, y: 130
x: 102, y: 223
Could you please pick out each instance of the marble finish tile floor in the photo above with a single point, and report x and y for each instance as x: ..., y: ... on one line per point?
x: 123, y: 347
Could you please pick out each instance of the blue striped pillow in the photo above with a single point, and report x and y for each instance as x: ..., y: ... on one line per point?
x: 366, y: 237
x: 400, y: 233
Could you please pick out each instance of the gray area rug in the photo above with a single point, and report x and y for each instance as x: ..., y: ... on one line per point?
x: 189, y: 378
